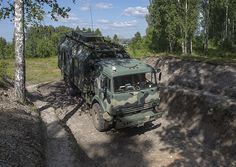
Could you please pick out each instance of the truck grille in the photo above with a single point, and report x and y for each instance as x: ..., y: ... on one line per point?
x: 134, y: 109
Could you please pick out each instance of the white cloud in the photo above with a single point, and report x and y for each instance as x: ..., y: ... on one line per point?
x: 103, y: 6
x: 103, y: 21
x: 136, y: 11
x: 124, y: 24
x: 71, y: 18
x: 85, y: 7
x: 116, y: 24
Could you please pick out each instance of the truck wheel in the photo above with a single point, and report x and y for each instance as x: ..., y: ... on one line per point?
x: 98, y: 121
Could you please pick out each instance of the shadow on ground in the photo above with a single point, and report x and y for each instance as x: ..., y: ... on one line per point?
x: 21, y: 143
x: 199, y: 100
x: 200, y: 128
x: 114, y: 148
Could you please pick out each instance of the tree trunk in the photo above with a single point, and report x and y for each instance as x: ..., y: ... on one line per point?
x: 185, y: 45
x: 171, y: 48
x: 190, y: 46
x: 233, y: 33
x: 185, y: 29
x: 206, y: 26
x: 226, y: 22
x: 182, y: 42
x: 19, y: 51
x: 183, y: 49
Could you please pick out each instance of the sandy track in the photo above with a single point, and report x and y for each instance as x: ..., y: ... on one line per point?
x: 162, y: 143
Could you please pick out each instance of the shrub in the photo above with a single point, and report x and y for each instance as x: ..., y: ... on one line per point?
x: 3, y: 72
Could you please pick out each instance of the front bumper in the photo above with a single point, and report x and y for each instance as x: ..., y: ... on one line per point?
x: 138, y: 119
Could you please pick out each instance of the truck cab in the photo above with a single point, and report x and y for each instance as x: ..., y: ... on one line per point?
x: 126, y: 94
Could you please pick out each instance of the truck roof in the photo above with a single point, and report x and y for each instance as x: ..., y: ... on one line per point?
x: 119, y: 67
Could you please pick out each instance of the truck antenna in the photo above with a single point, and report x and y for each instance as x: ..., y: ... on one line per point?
x: 91, y: 15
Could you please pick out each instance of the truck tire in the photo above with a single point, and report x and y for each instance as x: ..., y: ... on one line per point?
x: 98, y: 121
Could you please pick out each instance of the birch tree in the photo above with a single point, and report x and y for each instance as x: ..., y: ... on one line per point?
x: 19, y: 51
x: 173, y: 22
x: 206, y: 24
x: 23, y: 12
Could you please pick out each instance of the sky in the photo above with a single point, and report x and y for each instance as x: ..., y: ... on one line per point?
x: 121, y: 17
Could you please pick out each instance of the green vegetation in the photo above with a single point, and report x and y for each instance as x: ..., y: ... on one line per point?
x: 41, y: 41
x: 3, y: 71
x: 115, y: 39
x: 203, y: 29
x: 41, y: 51
x: 38, y: 70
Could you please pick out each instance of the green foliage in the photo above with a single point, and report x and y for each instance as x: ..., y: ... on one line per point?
x: 42, y: 41
x: 3, y: 44
x: 170, y: 23
x: 179, y: 26
x: 3, y: 71
x: 98, y: 32
x: 115, y: 39
x: 6, y: 49
x: 222, y: 23
x: 136, y: 46
x: 35, y: 10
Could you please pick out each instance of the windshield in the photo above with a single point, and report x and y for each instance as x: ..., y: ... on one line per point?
x: 134, y: 82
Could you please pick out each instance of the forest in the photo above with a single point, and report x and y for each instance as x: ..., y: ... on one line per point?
x: 200, y: 27
x: 41, y: 41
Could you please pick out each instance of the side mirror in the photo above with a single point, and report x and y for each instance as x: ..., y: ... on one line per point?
x: 160, y: 74
x: 158, y: 70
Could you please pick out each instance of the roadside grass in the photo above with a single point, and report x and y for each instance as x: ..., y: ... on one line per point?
x: 214, y: 56
x: 3, y: 72
x: 139, y: 53
x: 38, y: 70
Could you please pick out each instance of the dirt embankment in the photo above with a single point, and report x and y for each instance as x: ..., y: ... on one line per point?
x: 21, y: 140
x: 200, y: 101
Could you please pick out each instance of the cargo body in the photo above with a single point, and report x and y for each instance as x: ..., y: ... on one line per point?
x: 120, y: 91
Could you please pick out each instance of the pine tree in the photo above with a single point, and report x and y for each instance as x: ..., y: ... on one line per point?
x: 115, y: 39
x: 98, y: 32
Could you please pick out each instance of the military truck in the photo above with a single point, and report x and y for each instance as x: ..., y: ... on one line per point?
x: 120, y: 91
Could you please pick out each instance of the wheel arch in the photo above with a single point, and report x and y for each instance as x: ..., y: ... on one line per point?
x: 97, y: 100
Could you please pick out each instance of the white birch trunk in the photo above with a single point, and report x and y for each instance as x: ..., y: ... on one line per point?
x: 170, y: 47
x: 226, y: 22
x: 233, y: 33
x: 19, y: 51
x: 206, y: 26
x: 186, y: 27
x: 183, y: 49
x: 191, y: 46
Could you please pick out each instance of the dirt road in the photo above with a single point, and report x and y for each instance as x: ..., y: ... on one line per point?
x: 145, y: 147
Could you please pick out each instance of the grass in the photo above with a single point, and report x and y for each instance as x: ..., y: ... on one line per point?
x: 139, y: 53
x: 214, y: 56
x: 38, y: 70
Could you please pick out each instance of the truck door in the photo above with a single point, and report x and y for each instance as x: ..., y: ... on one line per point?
x: 105, y: 92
